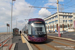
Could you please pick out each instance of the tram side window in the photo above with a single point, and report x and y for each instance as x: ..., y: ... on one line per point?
x: 29, y: 29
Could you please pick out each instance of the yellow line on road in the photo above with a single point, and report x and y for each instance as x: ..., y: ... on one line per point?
x: 23, y: 40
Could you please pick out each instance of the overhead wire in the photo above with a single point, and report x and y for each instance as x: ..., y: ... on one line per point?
x: 67, y: 6
x: 31, y: 8
x: 68, y: 3
x: 70, y: 6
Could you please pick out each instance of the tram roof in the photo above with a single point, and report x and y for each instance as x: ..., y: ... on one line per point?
x: 34, y: 19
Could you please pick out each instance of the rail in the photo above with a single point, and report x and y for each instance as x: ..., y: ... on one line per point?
x: 6, y: 43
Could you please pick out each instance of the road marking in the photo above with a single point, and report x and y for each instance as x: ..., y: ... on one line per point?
x: 23, y: 39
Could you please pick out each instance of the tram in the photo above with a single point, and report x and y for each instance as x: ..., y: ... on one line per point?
x: 35, y: 30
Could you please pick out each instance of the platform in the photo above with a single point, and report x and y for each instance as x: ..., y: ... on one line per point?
x: 19, y: 43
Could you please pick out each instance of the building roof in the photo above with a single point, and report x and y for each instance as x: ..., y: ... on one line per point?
x: 59, y: 12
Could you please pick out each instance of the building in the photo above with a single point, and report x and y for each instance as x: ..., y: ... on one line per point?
x: 66, y: 21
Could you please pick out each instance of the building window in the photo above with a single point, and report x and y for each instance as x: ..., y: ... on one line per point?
x: 49, y: 22
x: 56, y: 16
x: 69, y: 16
x: 52, y: 17
x: 70, y: 20
x: 52, y: 21
x: 64, y: 16
x: 65, y: 26
x: 56, y: 20
x: 64, y: 21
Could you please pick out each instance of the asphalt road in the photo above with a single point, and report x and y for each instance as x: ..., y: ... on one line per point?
x: 66, y: 35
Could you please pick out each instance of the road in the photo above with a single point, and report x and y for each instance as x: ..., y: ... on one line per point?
x: 66, y: 35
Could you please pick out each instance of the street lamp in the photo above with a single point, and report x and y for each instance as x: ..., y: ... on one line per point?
x: 11, y: 13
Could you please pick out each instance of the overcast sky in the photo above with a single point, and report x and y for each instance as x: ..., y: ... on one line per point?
x: 22, y: 11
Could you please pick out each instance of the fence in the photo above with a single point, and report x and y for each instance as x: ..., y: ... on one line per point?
x: 5, y: 41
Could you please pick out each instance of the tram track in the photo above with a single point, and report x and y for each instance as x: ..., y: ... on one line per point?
x: 37, y: 46
x: 54, y: 48
x: 73, y: 42
x: 48, y: 45
x: 51, y: 44
x: 62, y: 40
x: 62, y: 43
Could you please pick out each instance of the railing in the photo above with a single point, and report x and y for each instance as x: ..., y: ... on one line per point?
x: 5, y: 41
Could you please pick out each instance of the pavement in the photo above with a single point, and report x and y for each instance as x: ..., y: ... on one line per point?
x: 20, y: 43
x: 65, y: 35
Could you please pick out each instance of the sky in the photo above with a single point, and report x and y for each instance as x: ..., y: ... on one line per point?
x: 22, y: 11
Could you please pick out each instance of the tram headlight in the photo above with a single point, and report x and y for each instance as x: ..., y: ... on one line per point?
x: 34, y: 36
x: 32, y: 24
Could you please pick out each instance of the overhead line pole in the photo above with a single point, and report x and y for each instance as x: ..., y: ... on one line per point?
x: 11, y: 14
x: 58, y: 18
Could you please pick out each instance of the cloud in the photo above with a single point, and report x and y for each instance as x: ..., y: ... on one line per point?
x: 43, y: 1
x: 52, y: 3
x: 55, y: 0
x: 20, y: 10
x: 3, y: 26
x: 44, y: 12
x: 21, y: 21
